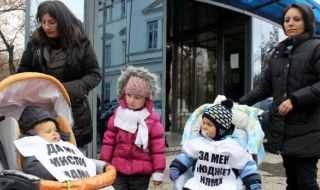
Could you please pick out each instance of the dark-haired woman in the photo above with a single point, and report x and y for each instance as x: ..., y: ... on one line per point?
x: 293, y: 80
x: 60, y: 48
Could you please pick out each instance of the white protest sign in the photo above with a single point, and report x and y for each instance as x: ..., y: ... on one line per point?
x: 62, y: 159
x: 216, y: 159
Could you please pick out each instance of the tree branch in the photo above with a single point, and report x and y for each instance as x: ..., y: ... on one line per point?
x: 11, y: 9
x: 4, y: 40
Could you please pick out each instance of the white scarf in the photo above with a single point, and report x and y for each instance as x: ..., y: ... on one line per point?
x: 130, y: 120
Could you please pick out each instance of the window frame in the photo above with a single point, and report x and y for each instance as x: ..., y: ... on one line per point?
x: 108, y: 55
x: 152, y: 41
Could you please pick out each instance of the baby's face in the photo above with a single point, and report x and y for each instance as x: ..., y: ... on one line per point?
x: 208, y: 128
x: 47, y: 130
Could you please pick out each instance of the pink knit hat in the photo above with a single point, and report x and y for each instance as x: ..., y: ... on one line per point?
x: 137, y: 86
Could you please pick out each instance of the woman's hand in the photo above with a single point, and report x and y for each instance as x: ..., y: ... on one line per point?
x: 157, y: 183
x: 285, y: 107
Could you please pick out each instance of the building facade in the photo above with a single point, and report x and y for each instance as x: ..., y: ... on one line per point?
x: 132, y: 36
x: 198, y: 49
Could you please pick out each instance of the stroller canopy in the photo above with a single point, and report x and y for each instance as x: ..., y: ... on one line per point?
x: 23, y: 89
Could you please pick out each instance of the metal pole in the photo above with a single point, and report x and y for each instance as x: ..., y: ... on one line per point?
x: 103, y: 57
x: 27, y: 23
x: 164, y: 64
x: 91, y: 25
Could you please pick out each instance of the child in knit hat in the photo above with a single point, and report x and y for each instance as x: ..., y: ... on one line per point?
x: 218, y: 157
x: 40, y: 132
x: 134, y: 141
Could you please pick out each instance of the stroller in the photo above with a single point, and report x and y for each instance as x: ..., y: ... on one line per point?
x: 248, y: 129
x: 19, y: 91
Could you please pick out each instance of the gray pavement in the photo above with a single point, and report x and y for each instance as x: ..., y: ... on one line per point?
x: 270, y: 181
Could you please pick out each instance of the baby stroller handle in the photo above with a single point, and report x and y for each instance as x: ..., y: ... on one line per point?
x: 13, y: 179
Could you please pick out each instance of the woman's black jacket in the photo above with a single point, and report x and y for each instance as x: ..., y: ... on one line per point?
x: 81, y: 73
x: 293, y: 75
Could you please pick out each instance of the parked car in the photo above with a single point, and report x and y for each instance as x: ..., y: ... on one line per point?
x: 264, y: 119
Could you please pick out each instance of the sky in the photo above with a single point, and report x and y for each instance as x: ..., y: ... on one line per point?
x: 76, y: 6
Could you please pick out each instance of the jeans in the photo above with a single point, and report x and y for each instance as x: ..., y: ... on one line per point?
x: 301, y: 173
x: 131, y: 182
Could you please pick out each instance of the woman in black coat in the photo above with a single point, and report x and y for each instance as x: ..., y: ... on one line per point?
x: 293, y: 80
x: 61, y: 49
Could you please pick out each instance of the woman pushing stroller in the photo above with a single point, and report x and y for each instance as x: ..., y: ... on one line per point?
x: 60, y: 48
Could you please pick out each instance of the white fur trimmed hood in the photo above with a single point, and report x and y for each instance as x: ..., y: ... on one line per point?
x: 139, y: 72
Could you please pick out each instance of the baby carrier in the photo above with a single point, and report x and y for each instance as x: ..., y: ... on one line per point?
x: 24, y: 89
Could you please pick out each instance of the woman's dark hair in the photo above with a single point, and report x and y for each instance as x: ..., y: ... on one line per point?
x: 69, y: 26
x: 307, y: 14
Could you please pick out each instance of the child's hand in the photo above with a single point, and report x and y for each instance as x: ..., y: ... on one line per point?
x: 156, y: 183
x: 174, y: 173
x: 255, y: 185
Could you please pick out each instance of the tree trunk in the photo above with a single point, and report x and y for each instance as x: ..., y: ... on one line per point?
x: 10, y: 48
x: 12, y: 68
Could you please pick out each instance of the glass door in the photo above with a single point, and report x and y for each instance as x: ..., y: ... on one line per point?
x: 234, y: 61
x: 195, y: 74
x: 206, y: 68
x: 183, y: 75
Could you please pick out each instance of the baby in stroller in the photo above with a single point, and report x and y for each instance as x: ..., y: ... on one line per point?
x: 36, y: 89
x: 218, y: 156
x: 247, y: 129
x: 66, y: 164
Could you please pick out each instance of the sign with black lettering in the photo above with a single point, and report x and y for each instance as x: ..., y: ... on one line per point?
x: 62, y: 159
x: 216, y: 159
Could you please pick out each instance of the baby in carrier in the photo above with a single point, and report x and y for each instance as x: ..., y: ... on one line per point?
x: 46, y: 152
x: 216, y: 154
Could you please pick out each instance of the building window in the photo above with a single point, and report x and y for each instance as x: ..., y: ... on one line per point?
x: 152, y: 34
x: 123, y: 7
x: 110, y: 15
x: 108, y: 91
x: 108, y: 55
x: 124, y: 49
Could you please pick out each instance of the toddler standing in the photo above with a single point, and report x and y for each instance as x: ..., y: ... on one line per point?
x: 134, y: 142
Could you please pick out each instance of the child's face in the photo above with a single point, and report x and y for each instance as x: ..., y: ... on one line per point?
x: 47, y: 130
x: 135, y: 102
x: 208, y: 127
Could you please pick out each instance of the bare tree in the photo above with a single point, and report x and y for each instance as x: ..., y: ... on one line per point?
x: 264, y: 53
x: 3, y: 65
x: 12, y: 19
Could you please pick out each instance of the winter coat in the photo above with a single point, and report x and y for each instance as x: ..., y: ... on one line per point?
x: 249, y: 173
x: 293, y: 75
x: 119, y: 146
x: 120, y: 150
x: 79, y: 75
